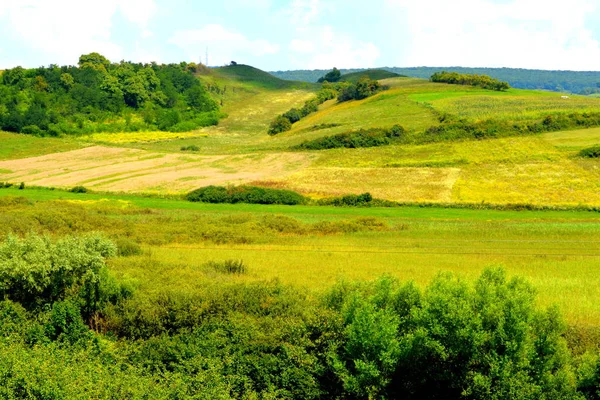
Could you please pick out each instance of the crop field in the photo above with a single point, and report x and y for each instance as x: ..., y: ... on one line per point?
x: 116, y: 169
x: 314, y: 247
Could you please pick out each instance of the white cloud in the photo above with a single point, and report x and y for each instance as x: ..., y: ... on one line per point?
x: 304, y: 12
x: 323, y: 48
x: 223, y: 45
x: 524, y: 33
x: 64, y: 29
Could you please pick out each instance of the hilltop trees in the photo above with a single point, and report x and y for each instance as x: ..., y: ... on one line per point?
x: 332, y: 76
x: 482, y: 81
x: 97, y: 95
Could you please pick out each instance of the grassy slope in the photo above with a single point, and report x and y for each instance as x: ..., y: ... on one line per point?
x: 555, y: 250
x: 542, y: 169
x: 371, y: 73
x: 14, y: 146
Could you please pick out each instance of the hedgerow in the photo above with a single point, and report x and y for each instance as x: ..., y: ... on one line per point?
x: 245, y: 194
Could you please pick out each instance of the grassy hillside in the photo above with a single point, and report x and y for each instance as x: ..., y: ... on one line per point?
x: 582, y: 82
x: 157, y: 297
x: 247, y: 73
x: 537, y: 168
x: 376, y: 74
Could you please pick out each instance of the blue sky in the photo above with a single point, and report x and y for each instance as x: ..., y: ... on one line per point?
x: 306, y: 34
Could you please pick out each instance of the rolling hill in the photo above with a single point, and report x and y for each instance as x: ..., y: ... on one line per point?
x: 376, y: 74
x: 499, y: 167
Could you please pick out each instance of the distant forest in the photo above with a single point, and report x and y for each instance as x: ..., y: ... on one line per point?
x: 584, y: 82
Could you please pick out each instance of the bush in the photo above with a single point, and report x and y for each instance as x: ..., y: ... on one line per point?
x: 482, y: 81
x: 79, y: 189
x: 245, y: 194
x: 32, y: 130
x: 451, y: 341
x: 365, y: 87
x: 34, y: 271
x: 590, y: 152
x: 362, y: 138
x: 279, y: 124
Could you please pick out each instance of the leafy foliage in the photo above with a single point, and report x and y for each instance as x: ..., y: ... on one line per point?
x: 245, y: 194
x: 100, y: 96
x: 35, y: 271
x: 482, y: 81
x: 332, y: 76
x: 362, y: 138
x: 590, y: 152
x: 361, y: 89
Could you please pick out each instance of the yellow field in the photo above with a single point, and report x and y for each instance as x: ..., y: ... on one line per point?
x: 140, y: 137
x: 132, y: 170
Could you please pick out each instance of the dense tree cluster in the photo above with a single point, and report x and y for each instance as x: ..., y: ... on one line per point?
x: 363, y: 88
x: 482, y: 81
x: 98, y: 95
x: 332, y: 76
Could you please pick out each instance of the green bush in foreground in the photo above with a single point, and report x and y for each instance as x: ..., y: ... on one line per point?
x: 245, y: 194
x: 36, y: 271
x: 228, y: 338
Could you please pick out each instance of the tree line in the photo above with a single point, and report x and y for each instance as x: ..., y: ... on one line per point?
x: 100, y: 96
x: 482, y: 81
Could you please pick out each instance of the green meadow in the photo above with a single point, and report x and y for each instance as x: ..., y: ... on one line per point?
x: 482, y: 275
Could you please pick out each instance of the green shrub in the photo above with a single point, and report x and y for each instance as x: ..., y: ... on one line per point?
x: 363, y: 138
x: 22, y: 186
x: 482, y: 81
x: 78, y: 189
x: 35, y: 271
x: 279, y: 124
x: 5, y: 185
x: 245, y: 194
x: 32, y: 130
x: 363, y: 88
x: 452, y: 340
x: 590, y: 152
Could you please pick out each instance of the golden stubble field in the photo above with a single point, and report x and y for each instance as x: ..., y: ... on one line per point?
x: 132, y: 170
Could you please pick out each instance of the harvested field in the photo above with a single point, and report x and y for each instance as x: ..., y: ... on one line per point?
x: 132, y: 170
x: 400, y: 184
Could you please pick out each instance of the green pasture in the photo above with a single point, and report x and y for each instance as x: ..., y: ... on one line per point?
x: 313, y: 247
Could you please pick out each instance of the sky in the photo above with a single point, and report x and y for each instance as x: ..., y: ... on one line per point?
x: 306, y: 34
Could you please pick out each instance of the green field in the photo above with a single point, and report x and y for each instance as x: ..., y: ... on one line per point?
x: 158, y: 297
x: 314, y: 247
